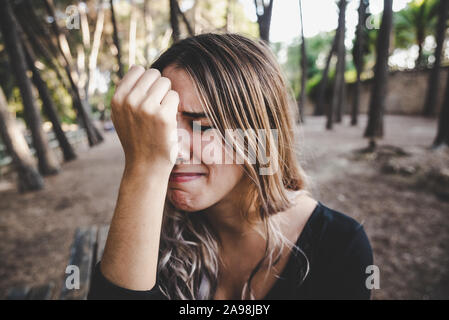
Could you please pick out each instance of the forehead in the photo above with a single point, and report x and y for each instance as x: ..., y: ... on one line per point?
x: 181, y: 83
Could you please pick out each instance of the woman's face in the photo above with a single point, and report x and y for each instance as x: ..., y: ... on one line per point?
x: 202, y: 179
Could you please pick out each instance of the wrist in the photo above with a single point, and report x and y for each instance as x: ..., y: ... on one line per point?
x: 143, y: 169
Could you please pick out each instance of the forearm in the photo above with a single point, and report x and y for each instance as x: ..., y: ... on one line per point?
x: 131, y: 254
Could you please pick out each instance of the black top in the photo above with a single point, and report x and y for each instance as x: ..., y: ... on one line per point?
x: 336, y: 246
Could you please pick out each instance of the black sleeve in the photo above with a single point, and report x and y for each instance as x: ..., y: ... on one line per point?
x: 350, y: 275
x: 103, y: 289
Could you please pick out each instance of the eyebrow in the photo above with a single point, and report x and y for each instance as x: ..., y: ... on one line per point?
x: 195, y: 115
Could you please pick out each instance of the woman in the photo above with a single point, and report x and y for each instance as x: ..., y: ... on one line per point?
x: 221, y: 213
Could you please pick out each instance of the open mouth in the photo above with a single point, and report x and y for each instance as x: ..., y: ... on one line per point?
x: 185, y: 176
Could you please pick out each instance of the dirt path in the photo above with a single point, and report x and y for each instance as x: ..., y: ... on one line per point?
x: 408, y: 226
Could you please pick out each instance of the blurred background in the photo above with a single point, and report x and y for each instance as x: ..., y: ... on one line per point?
x: 369, y: 83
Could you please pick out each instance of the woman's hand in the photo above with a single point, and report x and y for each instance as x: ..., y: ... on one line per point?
x: 144, y: 112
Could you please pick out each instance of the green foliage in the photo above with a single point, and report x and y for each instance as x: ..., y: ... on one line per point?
x: 415, y: 22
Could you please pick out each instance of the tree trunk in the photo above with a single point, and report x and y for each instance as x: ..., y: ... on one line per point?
x: 96, y: 43
x: 434, y: 75
x: 319, y: 107
x: 47, y: 104
x: 29, y: 178
x: 148, y: 21
x: 184, y: 19
x: 229, y: 18
x: 264, y: 18
x: 120, y: 72
x: 443, y: 121
x: 374, y: 128
x: 303, y: 63
x: 339, y: 83
x: 47, y: 161
x: 132, y: 35
x: 174, y: 22
x: 358, y: 58
x: 93, y: 134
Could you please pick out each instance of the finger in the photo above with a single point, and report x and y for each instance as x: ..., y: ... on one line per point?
x: 159, y: 89
x: 127, y: 83
x: 138, y: 93
x: 170, y: 99
x: 170, y: 102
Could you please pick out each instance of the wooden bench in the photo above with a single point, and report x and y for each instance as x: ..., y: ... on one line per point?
x: 86, y: 250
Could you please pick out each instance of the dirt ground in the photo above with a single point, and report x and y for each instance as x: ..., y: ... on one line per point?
x: 406, y: 221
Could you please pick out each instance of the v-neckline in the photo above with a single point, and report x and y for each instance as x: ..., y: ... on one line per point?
x: 290, y: 260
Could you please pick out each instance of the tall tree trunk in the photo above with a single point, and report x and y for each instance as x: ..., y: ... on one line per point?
x: 336, y: 105
x: 263, y: 12
x: 174, y: 22
x: 358, y: 58
x: 303, y: 63
x: 434, y: 75
x: 229, y: 18
x: 185, y: 20
x: 148, y: 21
x: 442, y: 136
x: 320, y: 105
x: 93, y: 134
x: 47, y: 104
x: 374, y: 128
x: 121, y: 71
x: 47, y: 161
x: 29, y: 178
x: 96, y: 43
x: 132, y: 35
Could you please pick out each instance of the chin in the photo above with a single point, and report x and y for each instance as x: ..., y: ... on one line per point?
x: 183, y: 200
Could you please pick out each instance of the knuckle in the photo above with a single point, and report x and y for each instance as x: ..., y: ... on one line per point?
x: 149, y: 104
x: 174, y: 94
x: 165, y: 81
x: 130, y: 101
x: 138, y: 68
x: 155, y: 71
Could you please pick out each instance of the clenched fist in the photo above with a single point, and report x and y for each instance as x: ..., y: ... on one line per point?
x: 144, y: 112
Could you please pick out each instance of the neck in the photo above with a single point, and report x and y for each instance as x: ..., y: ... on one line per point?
x: 227, y: 218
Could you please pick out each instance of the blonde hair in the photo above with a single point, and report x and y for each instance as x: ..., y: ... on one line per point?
x: 240, y: 86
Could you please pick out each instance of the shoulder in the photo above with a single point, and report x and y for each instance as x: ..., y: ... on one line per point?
x: 333, y: 238
x: 334, y: 228
x: 339, y: 253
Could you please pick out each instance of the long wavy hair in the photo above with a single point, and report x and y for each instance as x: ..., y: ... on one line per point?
x: 240, y: 86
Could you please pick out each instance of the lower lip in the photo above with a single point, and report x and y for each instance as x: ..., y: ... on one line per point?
x: 184, y: 177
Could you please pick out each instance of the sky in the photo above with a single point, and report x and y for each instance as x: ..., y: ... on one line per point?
x: 319, y: 16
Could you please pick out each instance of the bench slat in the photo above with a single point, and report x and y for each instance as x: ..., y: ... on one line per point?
x: 18, y: 293
x: 42, y: 292
x: 82, y: 256
x: 101, y: 242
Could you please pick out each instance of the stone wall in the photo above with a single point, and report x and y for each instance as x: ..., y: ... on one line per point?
x: 405, y: 93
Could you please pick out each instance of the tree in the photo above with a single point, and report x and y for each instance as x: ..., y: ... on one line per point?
x: 303, y: 64
x: 339, y: 83
x: 264, y: 9
x: 413, y: 24
x: 319, y: 107
x: 358, y: 55
x: 116, y: 39
x: 47, y: 103
x: 442, y: 137
x: 374, y: 128
x: 29, y: 178
x: 93, y: 135
x: 175, y: 11
x: 434, y: 75
x: 47, y: 160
